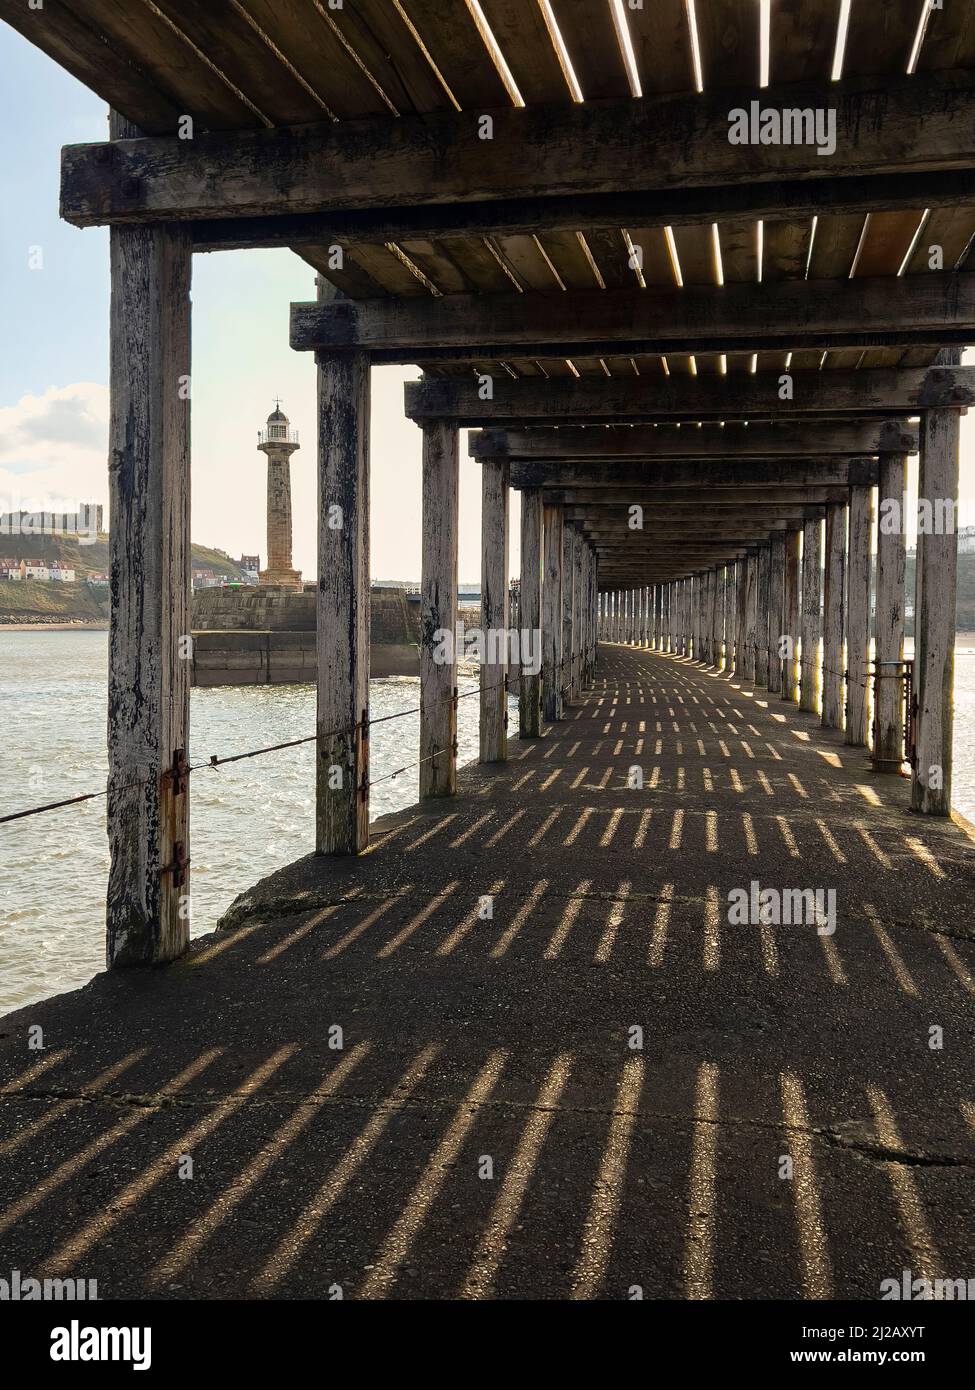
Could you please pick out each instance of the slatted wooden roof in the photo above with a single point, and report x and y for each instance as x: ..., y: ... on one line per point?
x: 244, y: 64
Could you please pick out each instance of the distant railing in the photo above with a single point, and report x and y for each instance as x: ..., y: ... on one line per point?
x: 277, y: 434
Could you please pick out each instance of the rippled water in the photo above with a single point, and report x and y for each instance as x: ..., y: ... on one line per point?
x: 248, y: 819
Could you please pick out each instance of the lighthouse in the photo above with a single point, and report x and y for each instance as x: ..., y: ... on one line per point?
x: 278, y: 441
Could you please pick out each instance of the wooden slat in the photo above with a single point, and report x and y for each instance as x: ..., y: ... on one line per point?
x: 455, y: 46
x: 949, y: 40
x: 376, y: 33
x: 728, y: 33
x: 806, y: 361
x: 880, y: 36
x: 786, y: 250
x: 611, y: 254
x: 657, y: 267
x: 590, y: 37
x: 436, y: 262
x: 523, y: 38
x: 313, y: 46
x: 696, y: 255
x: 802, y: 39
x: 524, y: 255
x: 474, y: 259
x: 886, y: 242
x: 662, y: 46
x: 950, y: 228
x: 567, y: 255
x: 834, y: 246
x: 167, y: 59
x: 739, y: 252
x: 386, y: 269
x: 219, y: 30
x: 108, y: 71
x: 352, y: 280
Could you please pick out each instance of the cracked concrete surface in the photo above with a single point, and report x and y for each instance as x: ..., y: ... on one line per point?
x: 486, y: 1129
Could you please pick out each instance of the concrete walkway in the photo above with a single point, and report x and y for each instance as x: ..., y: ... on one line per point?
x: 487, y: 1129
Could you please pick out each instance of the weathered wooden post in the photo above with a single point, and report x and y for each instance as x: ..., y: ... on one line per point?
x: 811, y: 622
x: 552, y: 613
x: 438, y: 610
x: 776, y: 600
x: 751, y: 614
x: 495, y: 513
x: 833, y: 608
x: 147, y: 916
x: 934, y: 616
x: 741, y: 618
x: 790, y: 617
x: 579, y: 605
x: 763, y: 627
x: 858, y: 613
x: 658, y: 617
x: 571, y: 614
x: 888, y: 713
x: 342, y: 765
x: 717, y: 615
x: 530, y: 681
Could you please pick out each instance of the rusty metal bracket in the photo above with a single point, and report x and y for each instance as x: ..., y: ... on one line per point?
x: 179, y: 865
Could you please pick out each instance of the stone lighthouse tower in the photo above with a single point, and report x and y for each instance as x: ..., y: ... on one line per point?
x: 279, y: 441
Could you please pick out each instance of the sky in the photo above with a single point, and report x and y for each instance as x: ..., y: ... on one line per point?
x: 54, y: 362
x: 54, y: 359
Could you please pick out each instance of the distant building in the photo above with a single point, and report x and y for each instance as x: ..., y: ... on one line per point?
x: 966, y: 540
x: 206, y: 578
x: 251, y: 565
x: 100, y: 581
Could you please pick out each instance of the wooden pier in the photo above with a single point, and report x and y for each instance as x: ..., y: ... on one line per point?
x: 704, y: 365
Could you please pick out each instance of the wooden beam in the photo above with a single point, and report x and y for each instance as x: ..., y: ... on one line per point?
x: 809, y: 439
x: 936, y: 308
x: 495, y: 497
x: 737, y: 206
x: 884, y: 124
x: 147, y: 910
x: 595, y: 400
x: 438, y: 610
x: 342, y: 761
x: 741, y: 474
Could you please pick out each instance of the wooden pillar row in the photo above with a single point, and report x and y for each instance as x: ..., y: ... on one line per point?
x: 762, y: 651
x: 552, y: 671
x: 751, y: 614
x: 776, y: 602
x: 790, y: 616
x: 530, y: 680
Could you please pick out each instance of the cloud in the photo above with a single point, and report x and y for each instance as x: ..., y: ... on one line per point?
x: 54, y: 448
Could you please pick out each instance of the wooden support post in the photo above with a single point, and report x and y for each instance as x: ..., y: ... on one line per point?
x: 751, y: 614
x: 552, y: 673
x: 858, y: 614
x: 530, y: 682
x: 811, y: 625
x: 776, y: 599
x: 790, y: 617
x: 934, y: 622
x: 342, y: 763
x: 147, y: 916
x: 762, y: 654
x: 833, y: 609
x: 741, y: 619
x: 888, y: 712
x: 495, y: 510
x: 438, y: 610
x: 571, y: 615
x: 657, y: 605
x: 579, y: 603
